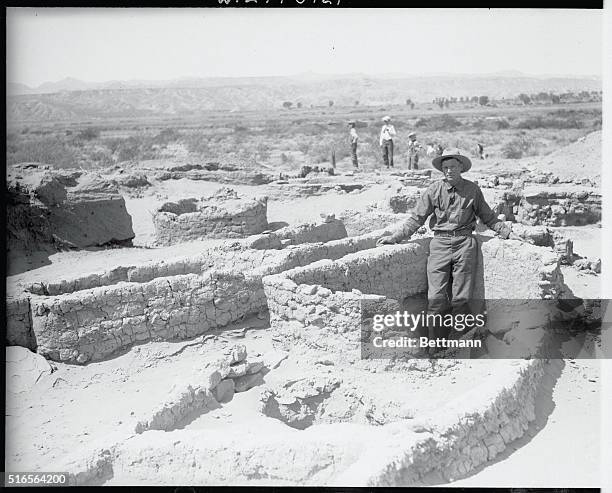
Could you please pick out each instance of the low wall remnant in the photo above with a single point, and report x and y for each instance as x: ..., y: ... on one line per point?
x: 222, y: 215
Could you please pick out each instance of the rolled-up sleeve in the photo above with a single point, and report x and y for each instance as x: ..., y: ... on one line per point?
x: 488, y: 217
x: 424, y: 208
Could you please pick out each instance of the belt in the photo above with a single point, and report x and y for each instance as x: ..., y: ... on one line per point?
x: 458, y: 232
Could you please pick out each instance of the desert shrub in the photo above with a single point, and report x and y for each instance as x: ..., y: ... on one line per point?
x: 128, y: 150
x: 503, y: 124
x: 549, y: 122
x: 263, y: 151
x: 518, y: 147
x: 197, y: 142
x: 320, y: 150
x: 303, y: 146
x: 88, y: 134
x: 132, y: 148
x: 48, y: 150
x: 490, y: 124
x: 166, y: 136
x: 438, y: 122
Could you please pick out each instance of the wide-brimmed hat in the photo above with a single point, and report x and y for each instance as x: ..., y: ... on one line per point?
x: 452, y: 153
x: 412, y: 134
x: 386, y: 118
x: 351, y: 122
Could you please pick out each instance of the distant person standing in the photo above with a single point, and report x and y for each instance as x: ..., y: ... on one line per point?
x: 354, y: 138
x: 431, y: 150
x: 413, y: 151
x: 386, y: 141
x: 481, y: 151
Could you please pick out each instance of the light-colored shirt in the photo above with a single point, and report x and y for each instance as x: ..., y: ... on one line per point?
x: 414, y: 146
x: 454, y: 208
x: 387, y: 133
x: 354, y: 136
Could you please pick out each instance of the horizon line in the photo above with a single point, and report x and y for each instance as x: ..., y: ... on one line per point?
x: 501, y: 73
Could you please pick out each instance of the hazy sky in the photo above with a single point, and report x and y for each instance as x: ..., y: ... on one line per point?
x: 122, y: 44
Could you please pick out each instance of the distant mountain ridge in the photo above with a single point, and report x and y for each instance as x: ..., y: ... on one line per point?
x: 72, y: 84
x: 71, y: 98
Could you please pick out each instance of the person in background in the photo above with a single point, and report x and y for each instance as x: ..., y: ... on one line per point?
x: 481, y: 151
x: 431, y: 150
x: 413, y: 151
x: 354, y: 138
x: 387, y: 133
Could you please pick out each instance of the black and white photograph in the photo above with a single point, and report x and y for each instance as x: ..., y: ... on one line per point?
x: 329, y: 247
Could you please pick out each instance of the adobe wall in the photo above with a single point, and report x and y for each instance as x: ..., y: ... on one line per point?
x: 467, y: 433
x: 158, y: 301
x: 321, y: 294
x: 551, y: 206
x: 191, y: 219
x: 560, y: 207
x: 312, y: 284
x: 328, y: 230
x: 19, y: 322
x: 92, y: 324
x: 247, y: 254
x: 59, y: 208
x: 325, y: 297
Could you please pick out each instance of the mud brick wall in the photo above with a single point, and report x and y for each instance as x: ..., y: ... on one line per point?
x: 324, y: 293
x: 87, y: 324
x: 517, y: 270
x: 321, y: 294
x: 91, y: 324
x: 303, y: 233
x: 460, y: 437
x: 19, y: 322
x: 552, y: 207
x: 359, y: 223
x: 240, y: 257
x: 175, y: 223
x: 81, y: 325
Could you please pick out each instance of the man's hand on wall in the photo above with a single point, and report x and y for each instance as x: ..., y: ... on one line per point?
x: 386, y: 240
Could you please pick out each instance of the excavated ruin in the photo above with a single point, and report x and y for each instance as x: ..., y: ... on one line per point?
x: 342, y: 419
x: 51, y: 209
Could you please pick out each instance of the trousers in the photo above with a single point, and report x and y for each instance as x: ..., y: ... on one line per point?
x: 413, y: 161
x: 451, y: 270
x: 387, y: 152
x: 354, y: 154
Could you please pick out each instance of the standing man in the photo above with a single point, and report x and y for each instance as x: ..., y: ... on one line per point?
x: 386, y: 141
x: 413, y: 151
x: 481, y: 151
x: 453, y: 252
x: 354, y: 138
